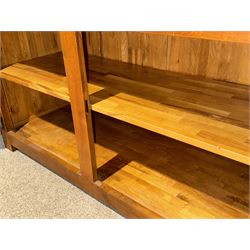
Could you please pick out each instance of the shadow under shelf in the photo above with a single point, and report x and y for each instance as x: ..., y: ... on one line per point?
x: 170, y: 178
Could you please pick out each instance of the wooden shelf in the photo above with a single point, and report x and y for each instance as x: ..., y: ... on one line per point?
x: 45, y: 74
x: 53, y: 133
x: 212, y: 115
x: 167, y: 177
x: 166, y: 145
x: 171, y: 178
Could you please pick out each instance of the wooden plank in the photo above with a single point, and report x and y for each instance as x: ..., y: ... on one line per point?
x: 205, y: 113
x: 6, y: 123
x: 221, y: 60
x: 35, y: 77
x: 54, y: 133
x: 73, y: 54
x: 109, y: 196
x: 151, y: 181
x: 4, y: 109
x: 228, y: 36
x: 226, y: 104
x: 31, y: 148
x: 168, y: 177
x: 17, y: 47
x: 45, y: 74
x: 21, y: 46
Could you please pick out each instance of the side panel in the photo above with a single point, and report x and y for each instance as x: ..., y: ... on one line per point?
x: 22, y: 102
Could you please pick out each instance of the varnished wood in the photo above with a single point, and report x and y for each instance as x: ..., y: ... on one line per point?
x: 20, y: 46
x: 164, y: 178
x: 140, y: 173
x: 6, y: 122
x: 72, y: 48
x: 45, y: 74
x: 17, y: 47
x: 109, y: 196
x: 228, y: 36
x: 220, y: 60
x: 213, y: 115
x: 170, y: 178
x: 54, y: 133
x: 24, y: 102
x: 205, y: 113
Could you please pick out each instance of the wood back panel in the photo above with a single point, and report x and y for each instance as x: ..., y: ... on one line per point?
x: 19, y: 46
x: 229, y: 36
x: 221, y: 60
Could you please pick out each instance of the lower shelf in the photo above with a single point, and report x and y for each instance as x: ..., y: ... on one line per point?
x: 170, y: 178
x: 53, y: 133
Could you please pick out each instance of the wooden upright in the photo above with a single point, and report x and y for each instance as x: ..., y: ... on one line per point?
x: 73, y: 54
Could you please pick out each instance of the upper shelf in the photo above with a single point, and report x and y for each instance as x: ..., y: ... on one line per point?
x: 45, y: 74
x: 232, y: 36
x: 212, y: 115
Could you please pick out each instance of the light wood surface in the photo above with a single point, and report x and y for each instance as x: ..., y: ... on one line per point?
x: 208, y: 114
x: 21, y: 46
x: 220, y: 60
x: 16, y: 47
x: 73, y: 54
x: 45, y: 74
x: 172, y: 179
x: 6, y: 122
x: 53, y: 133
x: 228, y: 36
x: 166, y: 177
x: 109, y: 196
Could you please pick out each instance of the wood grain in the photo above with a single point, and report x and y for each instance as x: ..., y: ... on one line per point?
x: 213, y: 115
x: 228, y: 36
x: 205, y: 113
x: 167, y: 178
x: 105, y: 194
x: 45, y: 74
x: 6, y: 122
x: 74, y: 61
x: 172, y: 179
x: 19, y: 46
x: 221, y: 60
x: 53, y: 133
x: 38, y: 74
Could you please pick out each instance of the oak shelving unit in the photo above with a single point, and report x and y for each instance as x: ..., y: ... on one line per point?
x: 167, y: 145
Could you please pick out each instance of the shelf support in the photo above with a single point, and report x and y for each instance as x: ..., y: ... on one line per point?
x: 6, y: 123
x: 74, y: 62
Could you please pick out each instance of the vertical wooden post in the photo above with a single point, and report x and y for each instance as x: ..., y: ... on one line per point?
x: 5, y: 117
x: 74, y: 62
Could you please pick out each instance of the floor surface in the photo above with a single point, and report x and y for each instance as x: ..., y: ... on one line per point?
x: 28, y: 190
